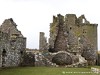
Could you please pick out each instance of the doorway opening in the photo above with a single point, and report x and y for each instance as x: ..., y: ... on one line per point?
x: 4, y: 57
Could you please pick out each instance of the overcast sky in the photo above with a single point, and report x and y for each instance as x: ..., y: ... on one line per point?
x: 34, y: 16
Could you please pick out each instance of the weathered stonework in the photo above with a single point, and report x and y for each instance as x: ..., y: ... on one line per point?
x: 98, y: 58
x: 12, y: 44
x: 43, y: 42
x: 28, y: 59
x: 74, y: 35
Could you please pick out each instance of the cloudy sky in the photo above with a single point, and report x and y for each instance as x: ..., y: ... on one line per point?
x: 34, y: 16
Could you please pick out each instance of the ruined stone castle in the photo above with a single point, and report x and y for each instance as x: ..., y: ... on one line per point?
x: 12, y: 44
x: 76, y: 36
x: 72, y: 43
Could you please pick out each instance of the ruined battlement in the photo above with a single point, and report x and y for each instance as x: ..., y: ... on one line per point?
x: 72, y: 18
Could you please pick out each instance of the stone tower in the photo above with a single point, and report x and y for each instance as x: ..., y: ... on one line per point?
x: 74, y: 35
x: 43, y: 42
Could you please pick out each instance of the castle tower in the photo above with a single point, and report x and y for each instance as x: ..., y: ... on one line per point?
x: 74, y: 35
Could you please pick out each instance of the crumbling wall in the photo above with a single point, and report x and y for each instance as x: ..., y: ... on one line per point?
x: 60, y: 41
x: 12, y: 44
x: 4, y: 48
x: 28, y: 59
x: 53, y: 33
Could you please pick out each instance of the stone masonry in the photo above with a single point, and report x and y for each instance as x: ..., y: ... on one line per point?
x: 12, y: 44
x: 72, y: 43
x: 74, y: 35
x: 43, y: 42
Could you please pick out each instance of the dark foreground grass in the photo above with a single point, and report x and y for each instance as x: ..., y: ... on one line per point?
x: 45, y: 71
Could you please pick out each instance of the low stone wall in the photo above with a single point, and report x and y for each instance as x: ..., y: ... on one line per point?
x: 28, y: 60
x: 58, y: 59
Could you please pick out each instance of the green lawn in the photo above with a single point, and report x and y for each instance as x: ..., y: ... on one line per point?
x: 45, y: 71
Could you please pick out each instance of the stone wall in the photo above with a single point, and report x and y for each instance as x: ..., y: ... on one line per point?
x: 12, y: 44
x: 28, y: 59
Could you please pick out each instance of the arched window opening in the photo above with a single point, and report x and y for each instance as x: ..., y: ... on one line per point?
x: 83, y: 20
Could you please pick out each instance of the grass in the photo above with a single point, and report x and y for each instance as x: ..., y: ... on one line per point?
x: 45, y: 71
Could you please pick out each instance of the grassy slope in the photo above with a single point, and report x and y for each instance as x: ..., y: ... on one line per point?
x: 44, y: 71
